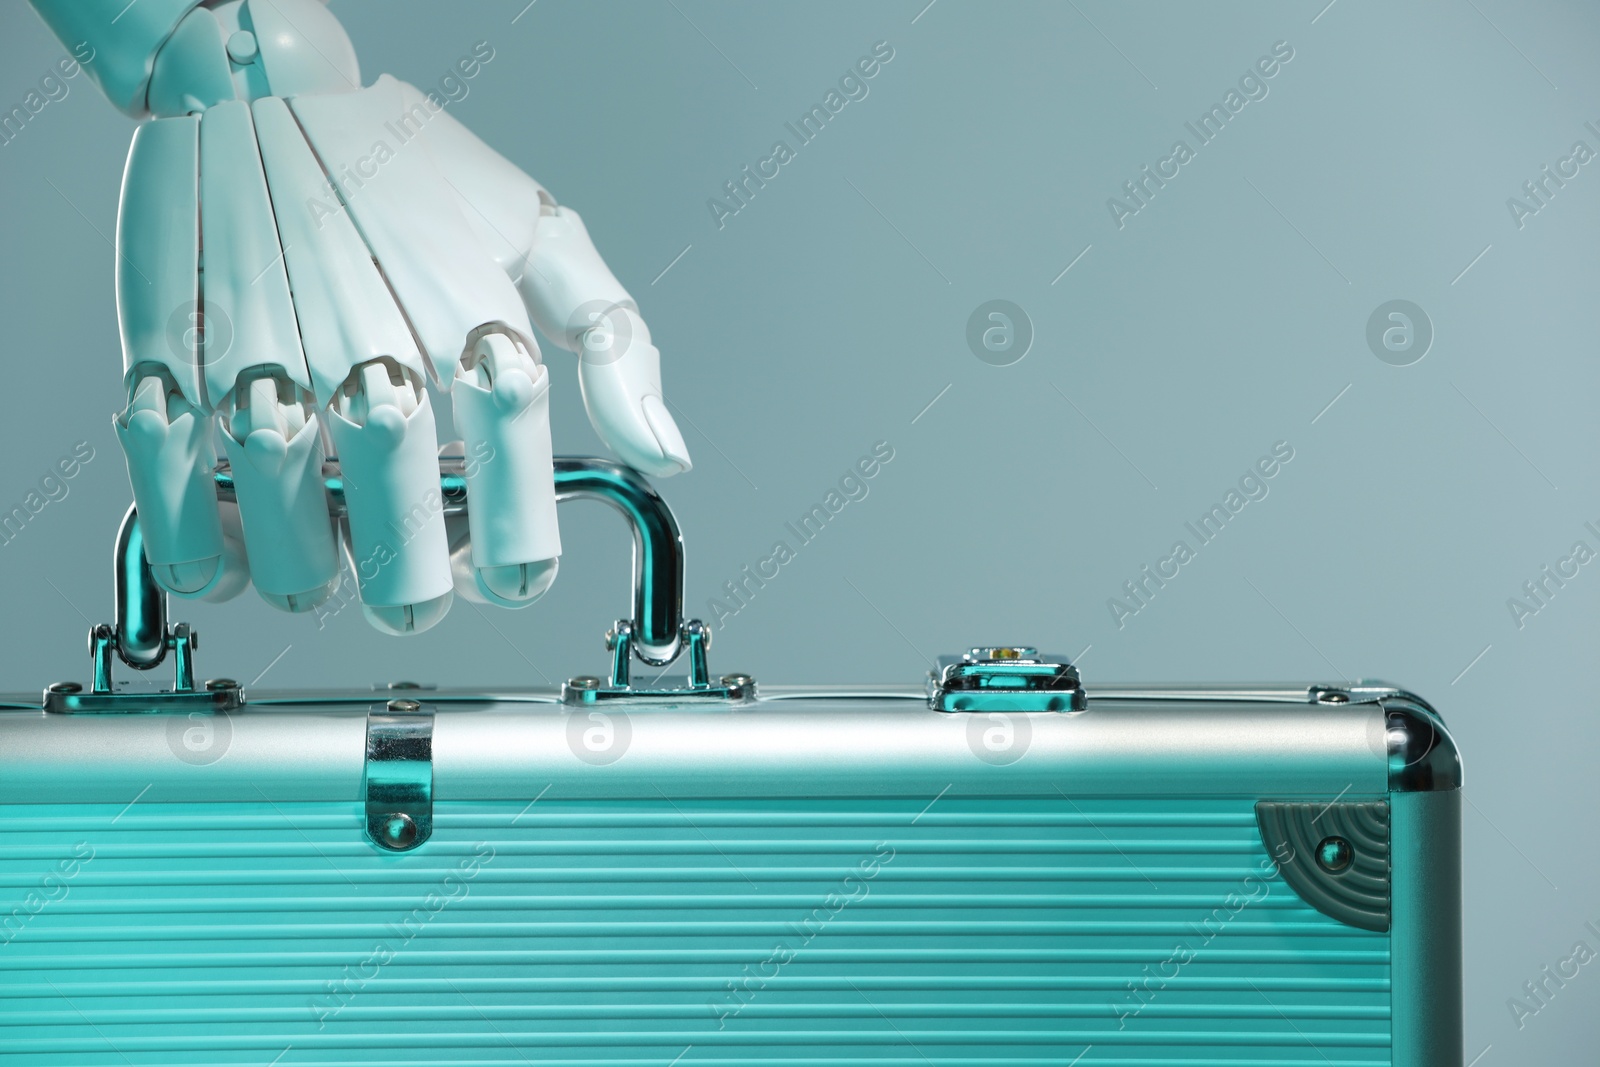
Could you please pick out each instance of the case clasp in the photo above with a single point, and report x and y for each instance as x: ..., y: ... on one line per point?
x: 1005, y: 678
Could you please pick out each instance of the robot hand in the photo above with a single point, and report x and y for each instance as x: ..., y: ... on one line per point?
x: 299, y: 258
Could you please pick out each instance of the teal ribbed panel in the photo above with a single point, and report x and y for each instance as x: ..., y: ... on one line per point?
x: 849, y: 932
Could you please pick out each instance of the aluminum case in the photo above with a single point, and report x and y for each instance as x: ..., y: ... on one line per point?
x: 1209, y: 875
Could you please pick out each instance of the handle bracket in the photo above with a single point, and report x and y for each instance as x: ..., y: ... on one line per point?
x: 587, y: 689
x: 140, y: 638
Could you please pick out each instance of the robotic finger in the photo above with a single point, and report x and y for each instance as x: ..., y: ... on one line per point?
x: 570, y: 293
x: 383, y: 428
x: 166, y: 429
x: 273, y: 440
x: 167, y: 443
x: 502, y: 408
x: 576, y: 300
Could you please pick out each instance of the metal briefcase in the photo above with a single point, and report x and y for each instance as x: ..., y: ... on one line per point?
x: 1006, y: 867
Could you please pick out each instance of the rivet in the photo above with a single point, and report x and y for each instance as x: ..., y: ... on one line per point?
x: 399, y: 830
x: 404, y: 705
x: 1334, y: 854
x: 242, y: 48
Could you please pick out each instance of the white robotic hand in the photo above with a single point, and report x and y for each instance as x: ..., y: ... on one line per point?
x: 299, y: 259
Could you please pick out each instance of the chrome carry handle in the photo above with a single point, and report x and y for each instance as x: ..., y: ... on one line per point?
x: 398, y: 774
x: 140, y: 637
x: 657, y: 635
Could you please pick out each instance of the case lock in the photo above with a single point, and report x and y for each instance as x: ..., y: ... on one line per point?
x: 1005, y: 678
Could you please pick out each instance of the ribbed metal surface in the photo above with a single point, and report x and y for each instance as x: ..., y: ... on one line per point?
x: 640, y: 934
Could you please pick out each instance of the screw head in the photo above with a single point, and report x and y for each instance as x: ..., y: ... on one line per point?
x: 404, y: 705
x: 405, y: 685
x: 584, y: 681
x: 1334, y: 854
x: 66, y: 687
x: 398, y: 831
x: 736, y: 681
x: 216, y: 685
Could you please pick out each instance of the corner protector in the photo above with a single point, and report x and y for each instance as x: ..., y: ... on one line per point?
x: 1423, y: 757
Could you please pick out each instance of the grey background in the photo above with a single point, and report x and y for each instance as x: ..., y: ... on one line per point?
x: 825, y: 316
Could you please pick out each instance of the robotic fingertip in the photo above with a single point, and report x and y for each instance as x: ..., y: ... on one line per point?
x: 213, y: 578
x: 674, y: 452
x: 515, y: 585
x: 189, y: 579
x: 299, y: 603
x: 403, y: 620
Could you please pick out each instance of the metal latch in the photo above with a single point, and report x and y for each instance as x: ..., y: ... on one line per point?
x: 1005, y: 678
x: 399, y: 775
